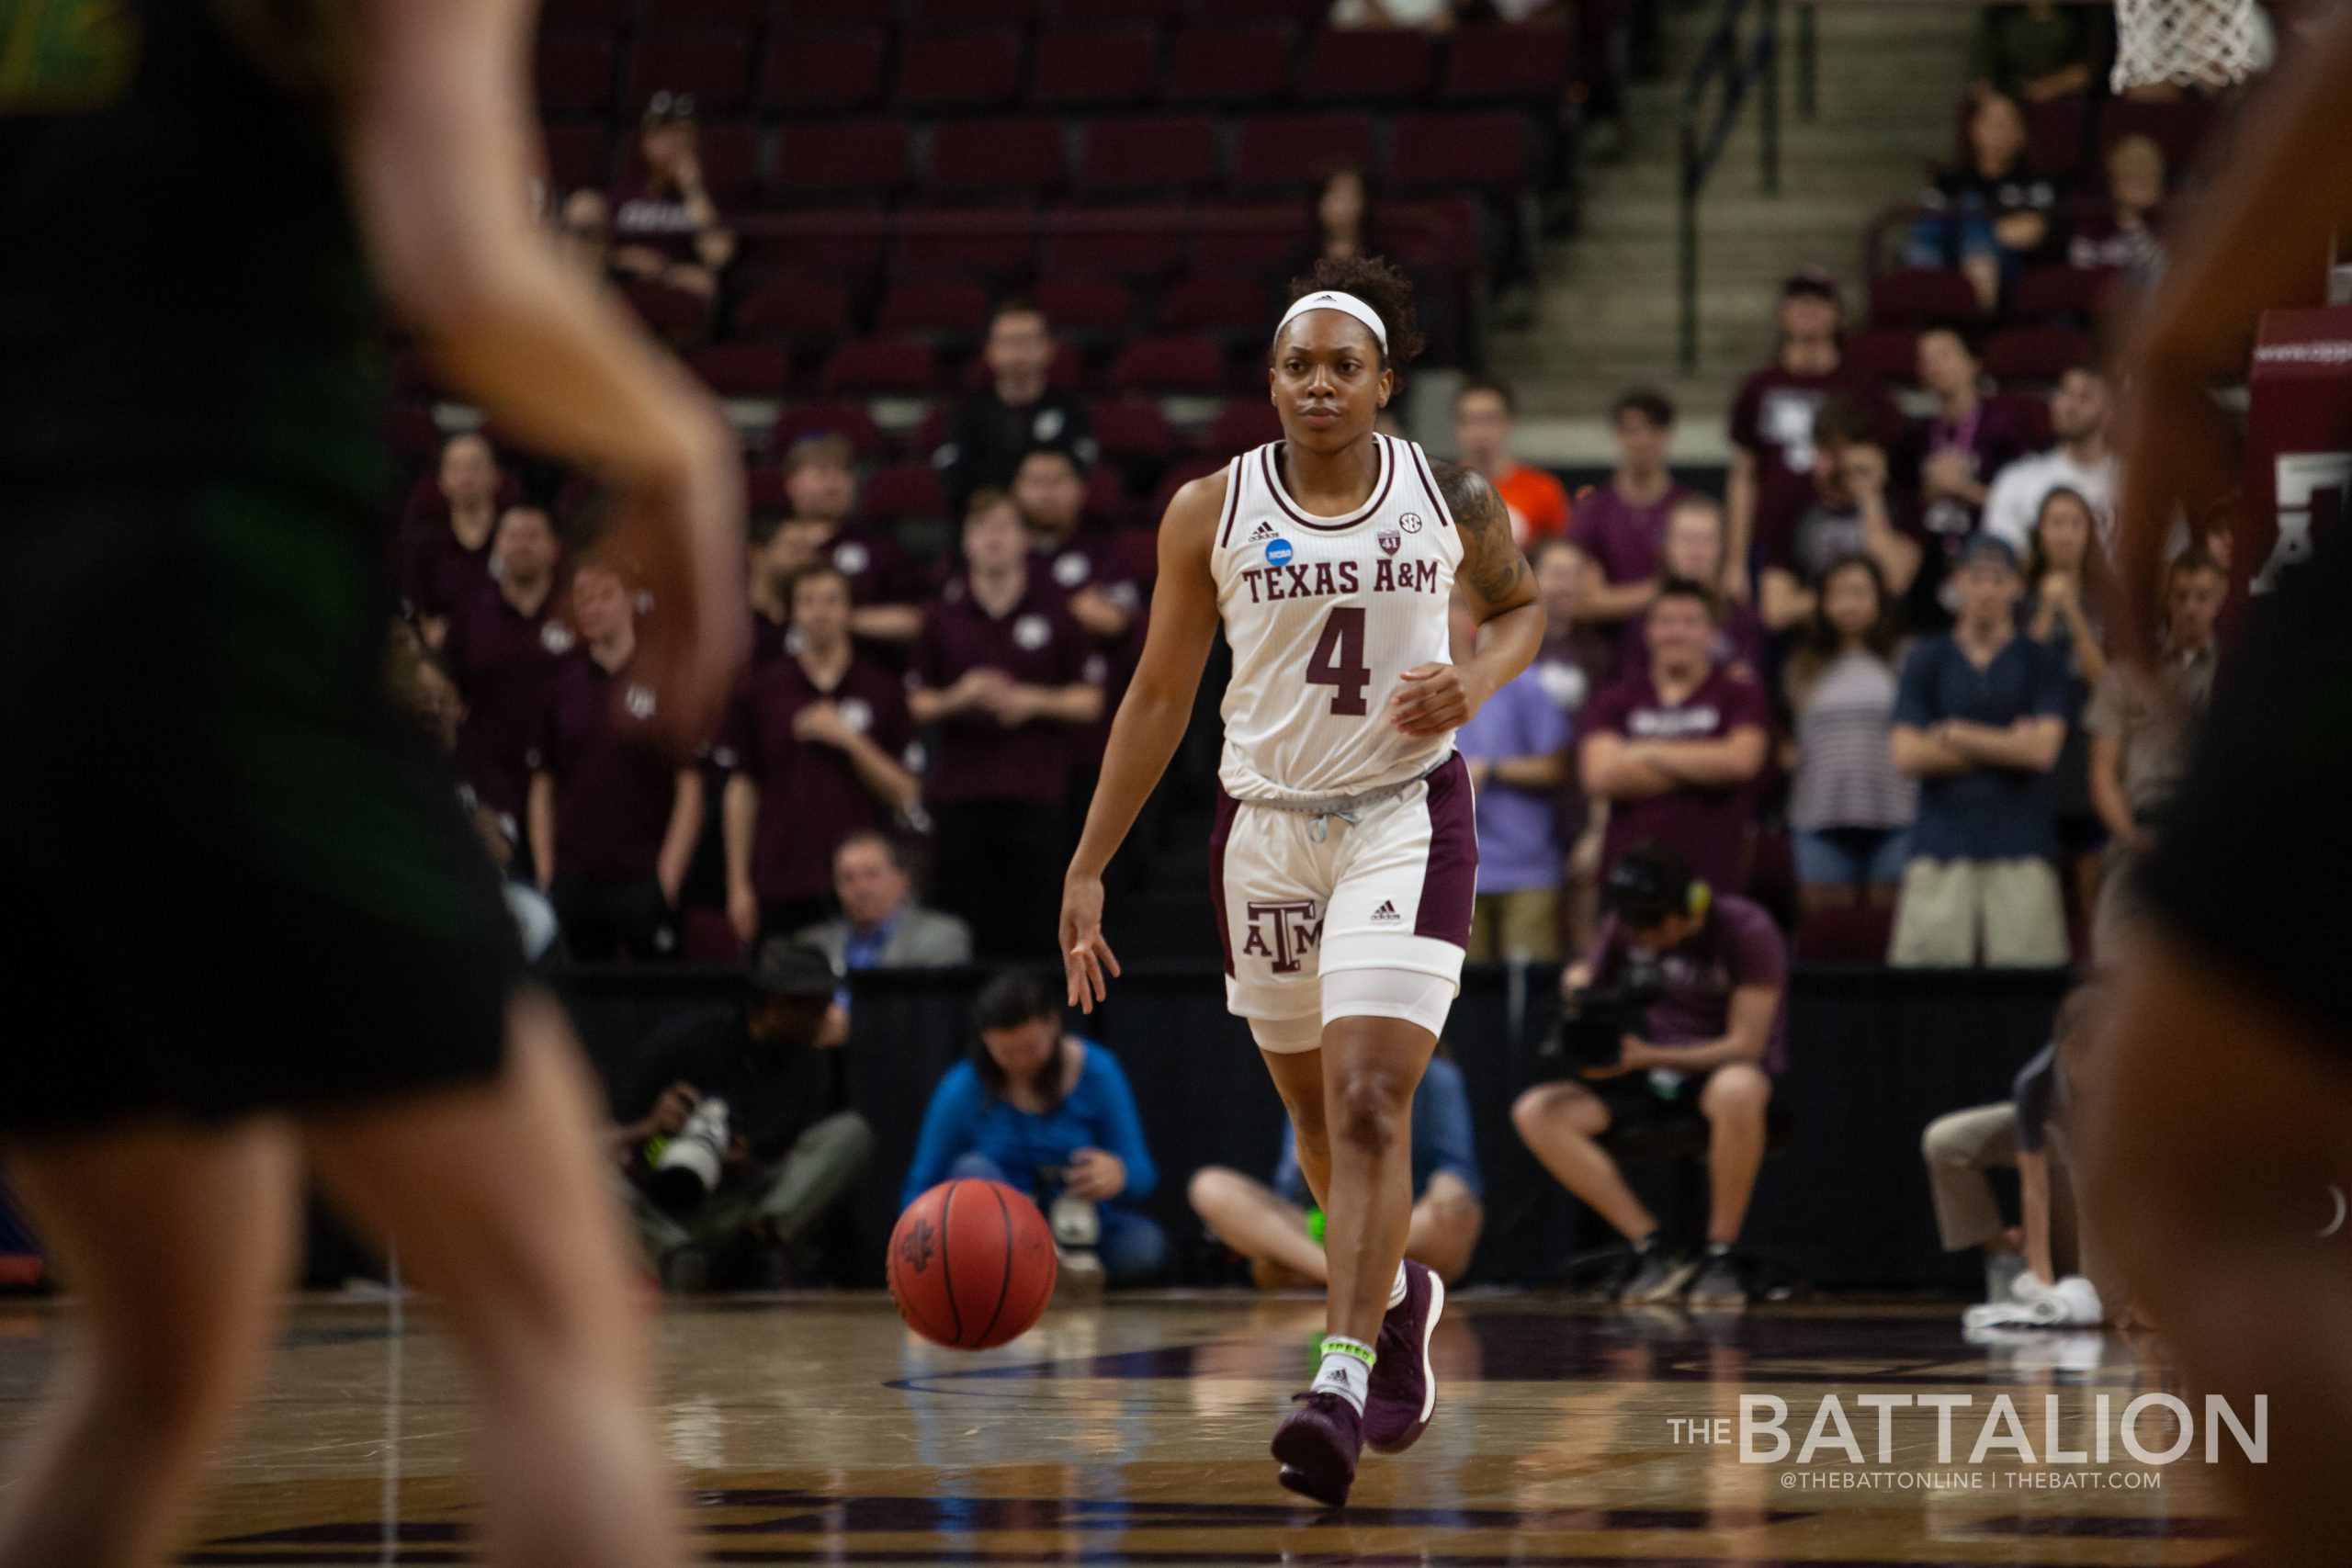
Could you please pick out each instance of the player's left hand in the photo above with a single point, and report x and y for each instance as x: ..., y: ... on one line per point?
x: 1434, y: 700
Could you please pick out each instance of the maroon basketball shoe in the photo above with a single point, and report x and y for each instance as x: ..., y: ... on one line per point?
x: 1403, y: 1392
x: 1319, y: 1444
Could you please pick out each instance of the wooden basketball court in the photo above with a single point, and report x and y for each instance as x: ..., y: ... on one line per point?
x: 819, y: 1430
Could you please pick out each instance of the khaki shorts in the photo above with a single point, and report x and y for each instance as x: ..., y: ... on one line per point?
x: 2011, y: 908
x: 1524, y: 924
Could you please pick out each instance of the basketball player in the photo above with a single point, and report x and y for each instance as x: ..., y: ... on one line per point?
x: 1344, y: 853
x: 262, y: 931
x: 2224, y: 1142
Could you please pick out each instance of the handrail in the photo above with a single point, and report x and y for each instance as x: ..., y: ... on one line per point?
x: 1723, y: 61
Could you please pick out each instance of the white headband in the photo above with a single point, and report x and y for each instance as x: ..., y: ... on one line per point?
x: 1346, y: 304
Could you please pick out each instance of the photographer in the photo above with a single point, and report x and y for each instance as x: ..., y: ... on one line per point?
x: 740, y: 1139
x: 1704, y: 976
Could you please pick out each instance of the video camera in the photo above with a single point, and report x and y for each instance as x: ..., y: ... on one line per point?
x: 1594, y: 1021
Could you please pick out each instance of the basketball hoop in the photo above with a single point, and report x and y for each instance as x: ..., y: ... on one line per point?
x: 2190, y: 44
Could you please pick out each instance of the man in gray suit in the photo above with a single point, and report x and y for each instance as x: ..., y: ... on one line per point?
x: 881, y: 926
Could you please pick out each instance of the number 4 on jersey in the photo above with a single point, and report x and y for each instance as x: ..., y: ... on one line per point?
x: 1337, y: 660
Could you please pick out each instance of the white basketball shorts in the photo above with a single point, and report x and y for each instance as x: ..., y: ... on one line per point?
x: 1392, y: 890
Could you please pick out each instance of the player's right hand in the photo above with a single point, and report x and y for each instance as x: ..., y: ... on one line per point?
x: 681, y: 537
x: 1084, y: 952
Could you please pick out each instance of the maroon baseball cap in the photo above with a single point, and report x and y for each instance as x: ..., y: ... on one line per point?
x: 1813, y: 281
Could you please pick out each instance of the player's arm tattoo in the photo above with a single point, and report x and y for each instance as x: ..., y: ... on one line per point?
x: 1492, y: 567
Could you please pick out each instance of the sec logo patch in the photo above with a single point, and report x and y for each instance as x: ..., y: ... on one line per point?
x: 1278, y: 552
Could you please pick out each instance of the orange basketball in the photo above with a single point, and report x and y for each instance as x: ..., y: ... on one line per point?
x: 972, y: 1264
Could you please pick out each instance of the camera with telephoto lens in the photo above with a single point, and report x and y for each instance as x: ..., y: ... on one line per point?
x: 686, y: 1169
x: 1594, y: 1021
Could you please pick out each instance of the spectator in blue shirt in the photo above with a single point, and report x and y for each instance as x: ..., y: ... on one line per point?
x: 1517, y: 747
x: 1277, y: 1227
x: 1979, y: 719
x: 1050, y: 1116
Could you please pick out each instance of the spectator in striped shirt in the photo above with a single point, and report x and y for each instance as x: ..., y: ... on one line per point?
x: 1849, y: 810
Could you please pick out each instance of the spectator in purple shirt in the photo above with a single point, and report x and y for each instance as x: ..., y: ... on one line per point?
x: 815, y: 748
x: 1100, y: 572
x: 446, y: 554
x: 1000, y: 676
x: 1621, y: 525
x: 1849, y: 512
x: 1675, y: 748
x: 502, y: 647
x: 665, y: 227
x: 1516, y: 745
x: 612, y: 826
x: 1694, y: 554
x: 1711, y: 1045
x: 887, y: 588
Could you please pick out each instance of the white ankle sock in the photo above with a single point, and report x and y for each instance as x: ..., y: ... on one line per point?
x: 1346, y: 1369
x: 1396, y: 1291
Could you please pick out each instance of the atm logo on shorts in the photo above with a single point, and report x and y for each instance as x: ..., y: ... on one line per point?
x: 1285, y: 933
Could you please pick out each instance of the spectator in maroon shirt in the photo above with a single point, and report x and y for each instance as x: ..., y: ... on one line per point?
x: 1693, y: 553
x: 988, y: 430
x: 999, y: 675
x: 612, y: 826
x: 1969, y: 439
x: 1849, y: 514
x: 886, y: 588
x: 779, y: 553
x: 1098, y: 571
x: 1621, y: 525
x: 666, y: 229
x: 503, y: 648
x: 1675, y: 748
x: 447, y: 555
x: 815, y: 748
x: 1576, y: 661
x: 1771, y: 417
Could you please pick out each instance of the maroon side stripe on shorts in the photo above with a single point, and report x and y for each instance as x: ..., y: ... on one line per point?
x: 1226, y: 809
x: 1450, y: 875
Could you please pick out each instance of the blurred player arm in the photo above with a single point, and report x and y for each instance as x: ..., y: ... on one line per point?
x: 739, y: 816
x: 2261, y: 241
x: 678, y: 839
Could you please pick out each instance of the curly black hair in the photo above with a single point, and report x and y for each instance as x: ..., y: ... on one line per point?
x: 1379, y: 284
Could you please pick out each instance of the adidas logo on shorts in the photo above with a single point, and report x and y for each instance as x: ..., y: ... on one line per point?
x: 1265, y: 531
x: 1387, y: 914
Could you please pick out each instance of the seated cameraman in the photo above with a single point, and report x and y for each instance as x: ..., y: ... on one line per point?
x: 1703, y: 977
x: 739, y: 1138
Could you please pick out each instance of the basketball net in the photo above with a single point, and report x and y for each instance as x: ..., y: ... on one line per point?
x: 2190, y: 44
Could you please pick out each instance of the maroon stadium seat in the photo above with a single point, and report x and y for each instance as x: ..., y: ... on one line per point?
x: 1106, y: 497
x: 799, y: 308
x: 1088, y: 306
x: 992, y: 157
x: 712, y: 63
x: 861, y: 159
x: 764, y: 491
x: 743, y: 14
x: 1135, y: 244
x: 579, y: 155
x: 1097, y: 68
x: 947, y: 307
x: 705, y: 936
x: 843, y: 245
x: 1889, y: 355
x: 573, y: 72
x: 1301, y: 13
x: 958, y: 72
x: 1170, y: 364
x: 2048, y: 291
x: 605, y: 13
x: 743, y: 369
x: 2034, y: 354
x: 1923, y: 296
x: 827, y: 73
x: 1179, y: 474
x: 678, y: 317
x: 1252, y: 238
x: 2054, y: 130
x: 904, y: 493
x: 1242, y: 424
x: 1441, y: 235
x: 2178, y: 128
x: 2028, y: 413
x: 1238, y: 65
x: 1125, y: 157
x: 995, y: 244
x: 840, y: 13
x: 1289, y: 155
x: 1132, y: 429
x: 1228, y: 307
x: 848, y: 421
x: 1063, y: 375
x: 414, y: 436
x: 1389, y: 67
x: 884, y: 369
x: 973, y: 13
x: 1447, y: 152
x: 1491, y: 65
x: 1064, y: 13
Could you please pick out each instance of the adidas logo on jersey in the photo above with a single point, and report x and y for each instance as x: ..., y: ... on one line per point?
x: 1387, y: 914
x: 1263, y: 532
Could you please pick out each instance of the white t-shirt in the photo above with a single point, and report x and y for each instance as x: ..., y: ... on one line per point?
x: 2016, y: 493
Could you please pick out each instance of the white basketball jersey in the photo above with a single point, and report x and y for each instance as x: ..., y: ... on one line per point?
x: 1323, y: 615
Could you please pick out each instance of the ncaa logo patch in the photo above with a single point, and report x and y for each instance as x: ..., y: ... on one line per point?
x: 1278, y: 551
x: 1410, y: 522
x: 1030, y: 633
x: 1389, y: 541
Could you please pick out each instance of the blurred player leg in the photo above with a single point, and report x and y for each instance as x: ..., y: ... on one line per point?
x: 500, y: 1207
x: 176, y: 1244
x: 2219, y: 1131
